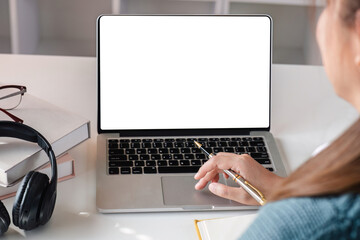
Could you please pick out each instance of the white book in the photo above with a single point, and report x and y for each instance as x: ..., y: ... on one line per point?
x: 229, y: 228
x: 60, y: 127
x: 65, y: 167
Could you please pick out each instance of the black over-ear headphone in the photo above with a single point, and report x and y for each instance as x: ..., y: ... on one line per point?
x: 36, y: 196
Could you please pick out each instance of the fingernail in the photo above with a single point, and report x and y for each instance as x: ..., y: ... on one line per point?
x: 196, y: 175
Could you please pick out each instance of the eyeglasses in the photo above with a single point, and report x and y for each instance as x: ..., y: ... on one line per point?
x: 10, y: 98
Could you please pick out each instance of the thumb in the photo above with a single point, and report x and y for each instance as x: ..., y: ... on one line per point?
x: 233, y: 193
x: 224, y: 191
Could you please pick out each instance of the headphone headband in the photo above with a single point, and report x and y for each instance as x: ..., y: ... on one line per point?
x: 27, y: 133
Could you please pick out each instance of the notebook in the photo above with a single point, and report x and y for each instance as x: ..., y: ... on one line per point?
x: 229, y: 228
x: 167, y: 80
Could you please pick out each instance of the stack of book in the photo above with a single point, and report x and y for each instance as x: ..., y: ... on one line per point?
x: 61, y: 128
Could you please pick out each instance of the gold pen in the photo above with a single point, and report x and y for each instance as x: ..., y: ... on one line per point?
x: 255, y: 193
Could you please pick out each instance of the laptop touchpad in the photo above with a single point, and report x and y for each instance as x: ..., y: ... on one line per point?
x: 179, y: 190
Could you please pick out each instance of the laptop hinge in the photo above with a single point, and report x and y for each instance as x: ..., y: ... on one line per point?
x: 187, y: 132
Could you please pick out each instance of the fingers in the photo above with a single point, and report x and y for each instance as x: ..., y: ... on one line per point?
x: 219, y: 162
x: 210, y: 176
x: 233, y: 193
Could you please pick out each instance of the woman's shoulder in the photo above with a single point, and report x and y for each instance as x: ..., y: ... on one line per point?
x: 332, y: 217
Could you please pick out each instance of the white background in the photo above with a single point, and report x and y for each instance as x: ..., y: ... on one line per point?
x: 173, y: 72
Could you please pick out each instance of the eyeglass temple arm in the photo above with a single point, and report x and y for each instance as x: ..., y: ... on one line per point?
x: 13, y: 117
x: 14, y: 94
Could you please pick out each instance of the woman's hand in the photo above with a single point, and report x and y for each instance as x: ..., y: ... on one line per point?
x: 247, y: 167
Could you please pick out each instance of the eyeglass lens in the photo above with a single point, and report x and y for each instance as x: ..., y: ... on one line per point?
x: 10, y: 98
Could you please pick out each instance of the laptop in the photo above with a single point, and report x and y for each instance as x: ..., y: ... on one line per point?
x: 165, y: 81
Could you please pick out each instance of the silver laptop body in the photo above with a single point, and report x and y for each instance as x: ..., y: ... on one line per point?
x: 178, y: 78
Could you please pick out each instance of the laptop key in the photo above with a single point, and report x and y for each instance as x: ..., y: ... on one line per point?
x: 174, y: 150
x: 150, y: 163
x: 196, y: 150
x: 144, y: 157
x: 243, y: 144
x: 257, y: 144
x: 259, y: 155
x: 166, y: 157
x: 113, y: 145
x: 173, y: 163
x: 146, y: 145
x: 157, y: 145
x: 263, y: 160
x: 140, y: 151
x: 180, y: 140
x: 181, y: 169
x: 133, y: 157
x: 195, y: 162
x: 185, y: 150
x: 137, y: 170
x: 261, y: 149
x: 179, y: 144
x: 135, y: 145
x: 168, y: 145
x: 201, y: 140
x: 184, y: 162
x: 229, y: 149
x: 116, y: 151
x: 118, y: 157
x: 163, y: 150
x: 258, y: 139
x: 240, y: 149
x: 178, y: 156
x: 148, y: 170
x: 125, y: 170
x: 125, y: 163
x: 113, y: 170
x: 233, y: 144
x: 251, y: 149
x: 152, y: 151
x: 124, y: 145
x: 139, y: 163
x: 162, y: 163
x: 217, y: 150
x: 211, y: 144
x: 130, y: 151
x: 155, y: 157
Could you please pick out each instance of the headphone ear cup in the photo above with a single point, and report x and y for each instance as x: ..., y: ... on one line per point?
x: 48, y: 205
x: 4, y: 219
x: 28, y: 200
x: 19, y: 197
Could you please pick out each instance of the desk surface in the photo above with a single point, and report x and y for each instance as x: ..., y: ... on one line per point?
x: 305, y: 113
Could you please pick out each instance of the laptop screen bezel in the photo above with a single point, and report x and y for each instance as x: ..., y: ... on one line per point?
x: 180, y: 132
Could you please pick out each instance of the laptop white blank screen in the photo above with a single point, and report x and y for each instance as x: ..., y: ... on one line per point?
x: 184, y: 72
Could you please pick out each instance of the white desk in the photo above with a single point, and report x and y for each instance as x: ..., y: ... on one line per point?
x: 305, y: 114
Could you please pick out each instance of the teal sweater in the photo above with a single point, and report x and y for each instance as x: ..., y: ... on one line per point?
x: 336, y: 217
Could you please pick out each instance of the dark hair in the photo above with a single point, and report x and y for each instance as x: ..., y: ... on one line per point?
x: 348, y: 10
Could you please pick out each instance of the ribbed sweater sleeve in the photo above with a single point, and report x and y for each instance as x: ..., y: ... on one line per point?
x: 333, y: 217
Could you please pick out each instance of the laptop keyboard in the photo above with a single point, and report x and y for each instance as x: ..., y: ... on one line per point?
x: 177, y: 155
